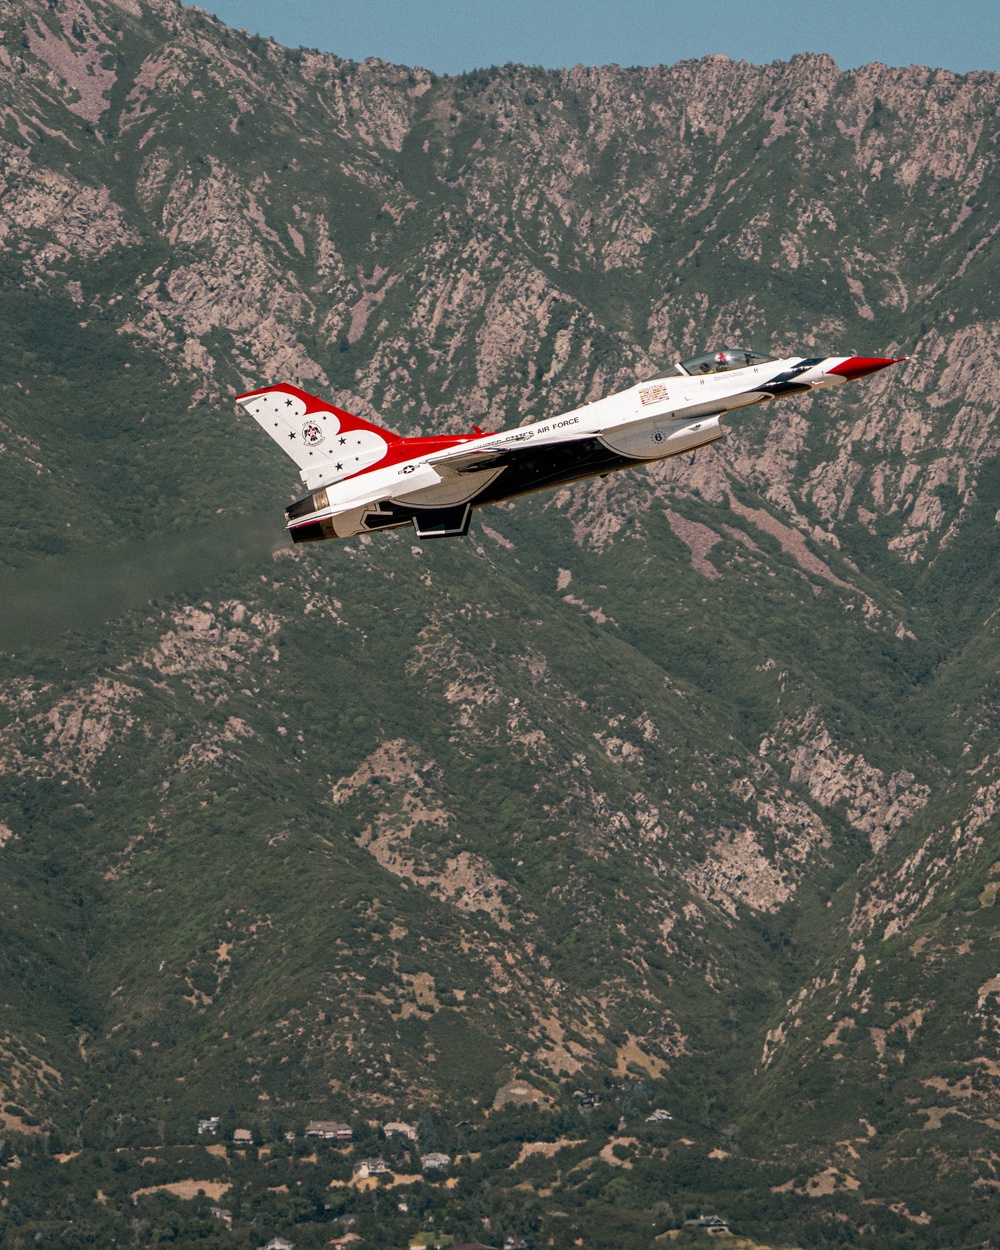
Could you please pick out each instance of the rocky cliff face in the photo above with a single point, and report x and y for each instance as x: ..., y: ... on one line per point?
x: 686, y: 777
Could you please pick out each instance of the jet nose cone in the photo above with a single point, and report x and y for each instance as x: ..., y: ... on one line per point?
x: 861, y: 366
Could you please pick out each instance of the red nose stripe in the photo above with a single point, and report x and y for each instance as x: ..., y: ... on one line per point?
x: 859, y: 366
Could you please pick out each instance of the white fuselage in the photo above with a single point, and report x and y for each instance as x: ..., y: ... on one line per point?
x: 650, y: 421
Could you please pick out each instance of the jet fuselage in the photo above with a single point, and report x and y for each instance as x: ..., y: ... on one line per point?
x: 365, y: 478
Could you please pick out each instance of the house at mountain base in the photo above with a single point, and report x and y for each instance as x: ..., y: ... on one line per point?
x: 329, y: 1130
x: 711, y: 1224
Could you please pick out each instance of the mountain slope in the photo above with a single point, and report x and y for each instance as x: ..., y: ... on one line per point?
x: 679, y: 786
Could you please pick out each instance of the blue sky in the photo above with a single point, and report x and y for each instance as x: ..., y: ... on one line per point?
x: 449, y: 36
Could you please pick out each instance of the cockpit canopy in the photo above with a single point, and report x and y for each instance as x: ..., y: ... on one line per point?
x: 723, y: 360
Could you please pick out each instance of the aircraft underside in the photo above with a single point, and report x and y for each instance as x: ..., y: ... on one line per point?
x: 541, y: 469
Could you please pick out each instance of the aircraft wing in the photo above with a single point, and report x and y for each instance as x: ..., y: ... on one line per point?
x: 476, y: 460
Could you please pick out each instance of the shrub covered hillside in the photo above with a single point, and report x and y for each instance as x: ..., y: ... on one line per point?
x: 673, y: 791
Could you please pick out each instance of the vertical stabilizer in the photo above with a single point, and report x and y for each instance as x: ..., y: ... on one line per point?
x: 326, y: 442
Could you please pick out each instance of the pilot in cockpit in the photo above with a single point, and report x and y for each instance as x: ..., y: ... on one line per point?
x: 722, y: 361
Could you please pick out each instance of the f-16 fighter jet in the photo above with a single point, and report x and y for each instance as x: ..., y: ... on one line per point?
x: 364, y: 478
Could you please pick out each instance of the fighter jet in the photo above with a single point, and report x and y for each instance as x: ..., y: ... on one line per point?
x: 364, y: 478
